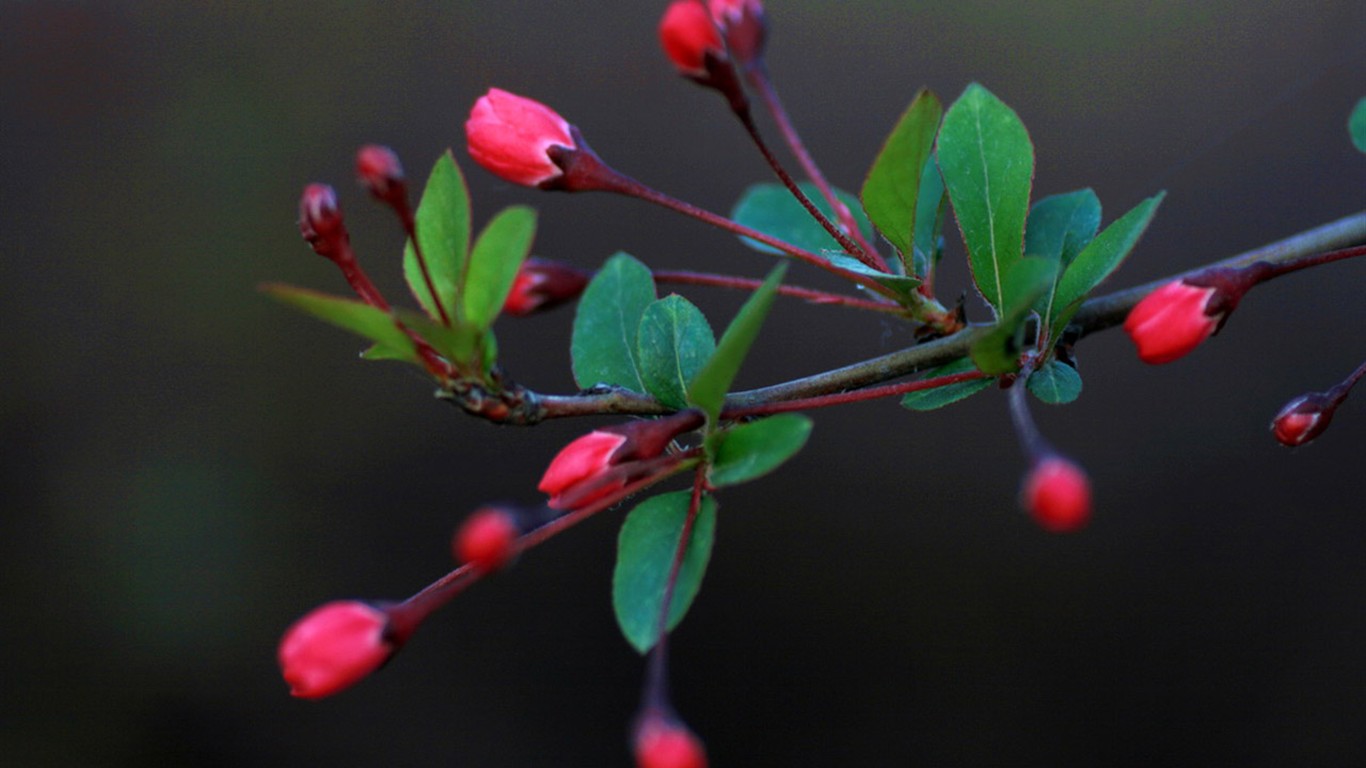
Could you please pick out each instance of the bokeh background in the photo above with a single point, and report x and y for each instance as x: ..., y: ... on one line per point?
x: 188, y: 466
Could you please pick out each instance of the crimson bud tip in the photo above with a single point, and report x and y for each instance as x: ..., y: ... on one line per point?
x: 1057, y: 495
x: 333, y: 647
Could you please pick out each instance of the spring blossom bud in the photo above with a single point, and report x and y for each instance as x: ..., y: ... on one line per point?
x: 1171, y: 321
x: 542, y: 284
x: 333, y: 647
x: 1058, y: 495
x: 380, y: 171
x: 584, y: 470
x: 688, y: 34
x: 511, y: 135
x: 487, y: 538
x: 1303, y: 419
x: 663, y: 744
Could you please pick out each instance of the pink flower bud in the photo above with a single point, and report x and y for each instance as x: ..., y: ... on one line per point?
x: 744, y: 25
x: 487, y: 538
x: 1057, y: 495
x: 660, y: 743
x: 1171, y: 321
x: 511, y: 136
x: 320, y: 219
x: 688, y: 33
x: 334, y: 647
x: 582, y: 472
x: 582, y: 461
x: 379, y: 170
x: 1303, y: 419
x: 542, y: 284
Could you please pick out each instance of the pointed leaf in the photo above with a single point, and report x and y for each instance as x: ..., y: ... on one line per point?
x: 497, y: 255
x: 892, y: 189
x: 755, y: 449
x: 1055, y: 383
x: 1103, y: 255
x: 998, y: 350
x: 930, y: 399
x: 903, y: 286
x: 357, y: 317
x: 929, y: 219
x: 771, y: 209
x: 1059, y: 227
x: 674, y: 341
x: 709, y: 387
x: 1356, y: 125
x: 645, y: 554
x: 443, y: 228
x: 987, y: 161
x: 603, y: 345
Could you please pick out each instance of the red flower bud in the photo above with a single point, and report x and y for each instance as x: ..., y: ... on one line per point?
x: 320, y: 219
x: 511, y: 135
x: 1303, y: 419
x: 579, y: 473
x: 744, y: 25
x: 688, y: 33
x: 334, y: 647
x: 487, y: 538
x: 1171, y: 321
x: 379, y: 170
x: 542, y: 284
x: 1057, y: 495
x: 660, y: 743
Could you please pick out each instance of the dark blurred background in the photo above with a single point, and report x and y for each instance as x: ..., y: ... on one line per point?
x: 188, y: 466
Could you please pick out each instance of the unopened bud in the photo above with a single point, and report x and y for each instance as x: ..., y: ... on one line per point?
x: 541, y: 284
x: 666, y: 743
x: 334, y: 647
x: 379, y: 169
x: 487, y: 538
x: 1057, y: 495
x: 320, y: 219
x: 1303, y: 419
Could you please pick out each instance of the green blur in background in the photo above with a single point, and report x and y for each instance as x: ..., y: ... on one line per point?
x: 188, y: 466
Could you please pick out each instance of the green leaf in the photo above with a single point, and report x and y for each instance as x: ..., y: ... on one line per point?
x: 771, y: 209
x: 709, y: 387
x: 1059, y: 227
x: 464, y: 344
x: 930, y: 399
x: 755, y: 449
x: 443, y: 228
x: 1055, y: 383
x: 674, y: 341
x: 1101, y: 257
x: 357, y: 317
x: 645, y: 554
x: 929, y: 219
x: 903, y: 286
x: 498, y: 253
x: 998, y: 350
x: 603, y: 345
x: 892, y: 189
x: 988, y: 165
x: 1356, y: 125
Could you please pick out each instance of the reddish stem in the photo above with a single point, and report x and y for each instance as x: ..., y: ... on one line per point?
x: 858, y: 395
x: 684, y: 277
x: 405, y: 215
x: 656, y: 694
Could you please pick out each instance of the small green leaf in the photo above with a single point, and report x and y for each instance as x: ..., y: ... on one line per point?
x: 498, y: 253
x: 674, y: 341
x: 755, y: 449
x: 1055, y: 383
x: 998, y: 350
x: 391, y: 343
x: 443, y: 228
x: 987, y: 161
x: 464, y: 344
x: 709, y: 387
x: 1059, y: 227
x: 771, y: 209
x: 1100, y: 257
x: 1356, y: 125
x: 603, y: 345
x: 892, y: 189
x: 903, y: 286
x: 930, y: 399
x: 645, y: 554
x: 929, y: 219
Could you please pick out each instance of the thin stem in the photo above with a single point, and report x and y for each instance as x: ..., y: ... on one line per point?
x: 759, y: 79
x: 1340, y: 391
x: 1032, y: 441
x: 858, y: 395
x: 656, y: 691
x: 684, y: 277
x: 868, y: 256
x: 405, y: 215
x: 1313, y: 260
